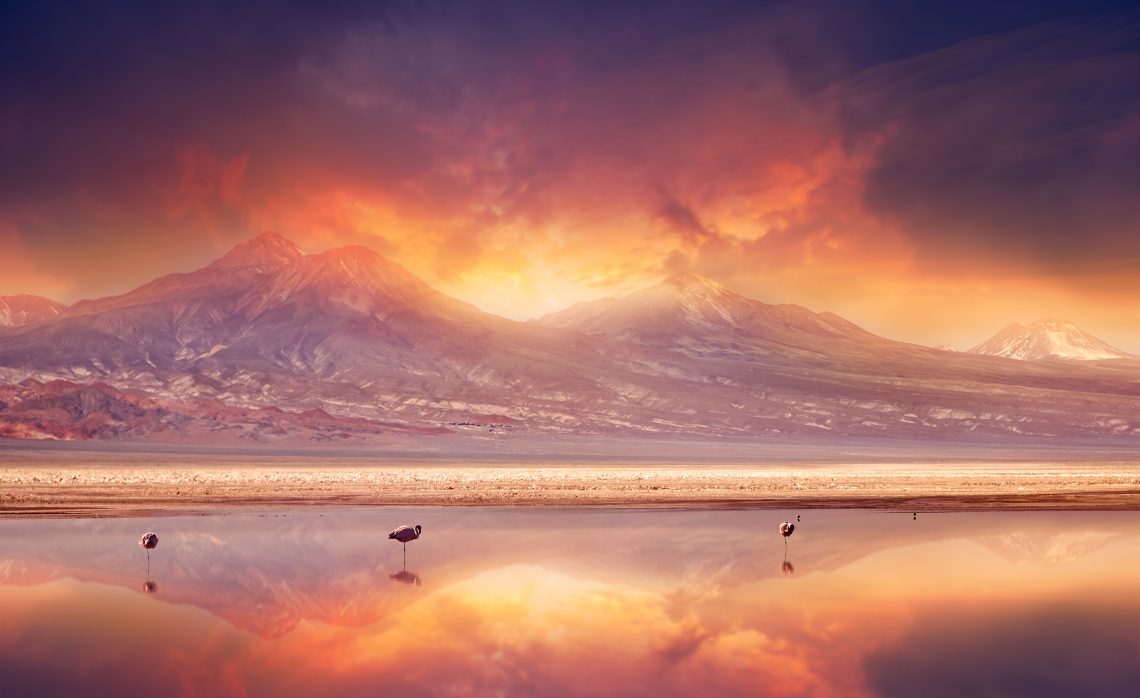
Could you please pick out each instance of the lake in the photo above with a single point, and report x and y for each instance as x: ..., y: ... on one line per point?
x: 573, y: 602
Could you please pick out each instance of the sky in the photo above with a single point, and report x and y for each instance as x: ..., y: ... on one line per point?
x: 931, y: 171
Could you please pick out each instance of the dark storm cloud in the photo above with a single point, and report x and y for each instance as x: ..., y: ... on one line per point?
x: 682, y: 219
x: 991, y: 135
x: 1023, y: 148
x: 1041, y: 651
x: 103, y: 101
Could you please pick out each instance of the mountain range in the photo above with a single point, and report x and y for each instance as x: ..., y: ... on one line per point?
x: 239, y: 348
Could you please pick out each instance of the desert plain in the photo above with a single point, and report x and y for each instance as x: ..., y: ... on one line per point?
x: 53, y: 482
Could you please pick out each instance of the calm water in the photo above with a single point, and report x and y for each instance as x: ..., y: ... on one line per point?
x: 574, y: 603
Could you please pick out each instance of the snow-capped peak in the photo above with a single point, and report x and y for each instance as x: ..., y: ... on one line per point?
x: 1048, y: 339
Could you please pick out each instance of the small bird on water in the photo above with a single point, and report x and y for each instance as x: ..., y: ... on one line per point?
x: 786, y: 529
x: 150, y: 542
x: 405, y: 534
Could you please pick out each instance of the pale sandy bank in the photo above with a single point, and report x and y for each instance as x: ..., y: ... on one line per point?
x: 175, y: 485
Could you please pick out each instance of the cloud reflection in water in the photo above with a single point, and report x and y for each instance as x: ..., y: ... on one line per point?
x: 527, y: 603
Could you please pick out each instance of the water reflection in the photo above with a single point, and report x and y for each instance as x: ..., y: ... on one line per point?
x: 150, y: 587
x: 681, y: 603
x: 407, y: 577
x: 1080, y: 648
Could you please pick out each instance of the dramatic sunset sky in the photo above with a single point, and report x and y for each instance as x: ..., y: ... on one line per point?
x: 931, y: 171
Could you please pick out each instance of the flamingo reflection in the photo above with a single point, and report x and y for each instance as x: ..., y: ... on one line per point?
x: 407, y: 577
x: 787, y: 567
x: 150, y: 587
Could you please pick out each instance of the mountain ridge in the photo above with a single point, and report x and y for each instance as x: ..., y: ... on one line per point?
x: 25, y: 309
x: 687, y: 306
x: 356, y: 336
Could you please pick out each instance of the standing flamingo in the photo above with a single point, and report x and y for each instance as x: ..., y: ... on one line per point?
x: 405, y: 534
x: 786, y: 530
x: 150, y: 542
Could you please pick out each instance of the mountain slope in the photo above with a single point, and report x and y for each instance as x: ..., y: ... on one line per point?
x: 244, y: 265
x: 26, y: 309
x: 156, y: 326
x: 685, y: 307
x: 71, y: 411
x: 345, y: 330
x: 356, y: 336
x: 1048, y: 339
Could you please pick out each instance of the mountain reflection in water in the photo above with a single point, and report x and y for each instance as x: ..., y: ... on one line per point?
x: 558, y: 602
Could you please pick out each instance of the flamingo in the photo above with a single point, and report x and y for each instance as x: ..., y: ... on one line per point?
x: 786, y: 530
x: 150, y: 542
x: 405, y: 534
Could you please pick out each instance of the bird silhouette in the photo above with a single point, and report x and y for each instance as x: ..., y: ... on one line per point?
x: 786, y: 530
x: 149, y: 541
x: 405, y: 534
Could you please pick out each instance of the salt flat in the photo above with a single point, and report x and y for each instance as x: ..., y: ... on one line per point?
x: 74, y: 484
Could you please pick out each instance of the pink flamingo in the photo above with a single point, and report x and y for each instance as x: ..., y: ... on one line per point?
x: 405, y: 534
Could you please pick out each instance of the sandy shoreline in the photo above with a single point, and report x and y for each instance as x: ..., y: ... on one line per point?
x: 99, y: 489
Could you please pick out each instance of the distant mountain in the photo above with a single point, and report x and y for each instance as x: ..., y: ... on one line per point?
x: 345, y: 330
x: 1048, y: 339
x: 26, y: 309
x: 697, y: 314
x: 268, y: 334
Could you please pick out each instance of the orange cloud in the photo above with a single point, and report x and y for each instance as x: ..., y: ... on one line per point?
x: 566, y: 159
